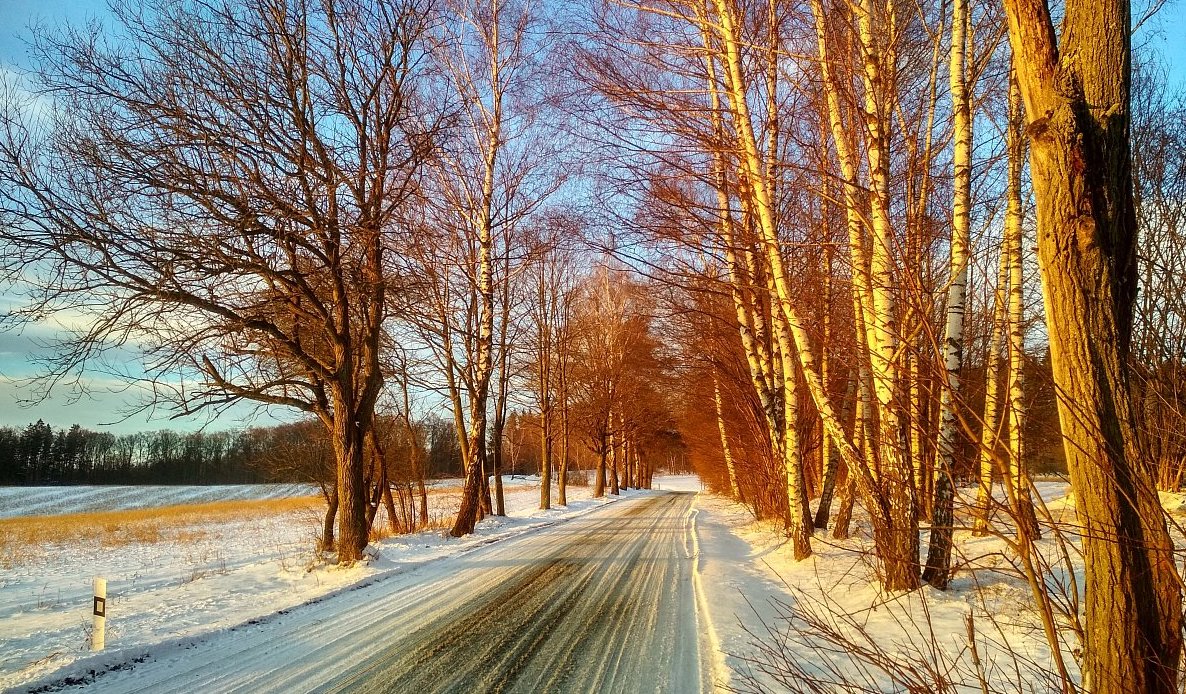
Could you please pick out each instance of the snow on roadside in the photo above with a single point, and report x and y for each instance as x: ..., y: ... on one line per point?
x: 677, y: 483
x: 225, y: 574
x: 758, y: 594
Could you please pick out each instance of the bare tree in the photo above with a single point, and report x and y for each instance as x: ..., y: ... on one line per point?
x: 217, y: 191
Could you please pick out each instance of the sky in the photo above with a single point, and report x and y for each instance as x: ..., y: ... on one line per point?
x: 107, y: 403
x: 106, y: 407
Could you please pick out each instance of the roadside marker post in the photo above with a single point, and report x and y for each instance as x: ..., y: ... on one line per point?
x: 98, y: 638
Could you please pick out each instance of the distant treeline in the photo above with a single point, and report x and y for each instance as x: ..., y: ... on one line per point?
x: 41, y: 454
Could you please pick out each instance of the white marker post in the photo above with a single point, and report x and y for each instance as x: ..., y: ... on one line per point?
x: 98, y: 638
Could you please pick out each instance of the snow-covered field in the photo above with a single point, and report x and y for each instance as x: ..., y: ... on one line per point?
x: 37, y: 501
x: 216, y: 576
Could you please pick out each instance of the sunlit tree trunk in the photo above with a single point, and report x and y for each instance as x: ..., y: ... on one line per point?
x: 327, y: 525
x: 832, y: 461
x: 1023, y: 504
x: 562, y: 481
x: 490, y: 125
x: 599, y: 477
x: 351, y: 487
x: 990, y: 434
x: 828, y: 461
x: 840, y: 528
x: 503, y: 385
x: 614, y: 459
x: 799, y: 523
x: 740, y: 277
x: 730, y: 469
x: 1077, y: 101
x: 900, y: 552
x: 893, y: 513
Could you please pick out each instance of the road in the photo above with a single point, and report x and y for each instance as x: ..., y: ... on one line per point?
x: 604, y: 602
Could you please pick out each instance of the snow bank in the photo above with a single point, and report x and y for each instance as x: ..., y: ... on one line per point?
x: 759, y: 597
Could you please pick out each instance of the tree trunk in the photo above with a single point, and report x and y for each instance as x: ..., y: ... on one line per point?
x: 389, y: 504
x: 613, y: 464
x: 499, y: 497
x: 1022, y: 502
x: 627, y: 468
x: 891, y: 503
x: 599, y: 481
x: 348, y: 434
x: 623, y: 455
x: 840, y: 529
x: 487, y: 508
x: 900, y: 546
x: 938, y: 568
x: 327, y: 526
x: 831, y: 463
x: 562, y: 482
x: 728, y: 454
x: 798, y: 520
x: 1077, y: 106
x: 423, y: 489
x: 545, y: 466
x: 990, y: 434
x: 471, y: 490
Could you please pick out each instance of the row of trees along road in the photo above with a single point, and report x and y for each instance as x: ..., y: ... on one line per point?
x: 343, y: 208
x: 838, y: 194
x: 816, y: 221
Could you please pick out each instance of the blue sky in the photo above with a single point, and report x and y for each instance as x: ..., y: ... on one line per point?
x: 106, y: 404
x: 1166, y: 33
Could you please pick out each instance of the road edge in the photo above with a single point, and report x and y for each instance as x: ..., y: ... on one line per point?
x: 715, y: 677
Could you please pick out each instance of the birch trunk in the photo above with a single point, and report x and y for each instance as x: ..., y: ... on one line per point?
x: 740, y: 281
x: 831, y: 467
x: 840, y: 529
x: 901, y: 560
x: 990, y: 435
x: 893, y: 517
x: 1022, y: 502
x: 799, y: 523
x: 938, y: 569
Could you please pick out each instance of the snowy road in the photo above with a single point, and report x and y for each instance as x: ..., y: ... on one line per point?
x: 605, y: 602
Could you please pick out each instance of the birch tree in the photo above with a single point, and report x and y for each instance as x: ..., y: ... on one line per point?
x: 938, y: 568
x: 492, y: 176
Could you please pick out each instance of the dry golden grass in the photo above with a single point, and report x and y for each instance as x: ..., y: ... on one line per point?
x: 22, y: 539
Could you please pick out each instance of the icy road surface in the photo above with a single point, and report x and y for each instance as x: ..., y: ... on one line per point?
x: 606, y: 602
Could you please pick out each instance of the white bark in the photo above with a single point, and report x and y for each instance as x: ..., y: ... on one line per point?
x: 939, y: 554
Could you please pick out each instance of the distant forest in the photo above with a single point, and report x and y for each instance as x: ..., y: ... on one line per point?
x: 41, y: 454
